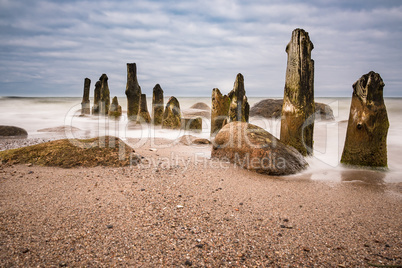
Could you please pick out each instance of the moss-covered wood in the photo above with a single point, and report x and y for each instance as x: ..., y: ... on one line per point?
x: 143, y: 114
x: 104, y: 95
x: 172, y: 114
x: 366, y: 136
x: 115, y: 109
x: 86, y: 104
x: 157, y: 105
x: 219, y: 110
x: 97, y: 93
x: 239, y: 107
x: 133, y: 92
x: 297, y: 124
x: 100, y: 151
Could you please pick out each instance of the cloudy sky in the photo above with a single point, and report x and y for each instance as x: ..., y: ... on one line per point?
x: 47, y: 48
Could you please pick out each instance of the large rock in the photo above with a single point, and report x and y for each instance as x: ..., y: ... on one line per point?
x: 157, y: 105
x: 193, y: 140
x: 133, y: 92
x: 271, y: 108
x: 200, y: 106
x: 104, y: 95
x: 239, y: 107
x: 219, y: 110
x: 86, y: 104
x: 67, y: 153
x: 198, y: 109
x: 255, y: 149
x: 366, y: 136
x: 172, y: 114
x: 298, y: 109
x: 143, y: 114
x: 97, y: 94
x: 12, y: 131
x: 115, y: 109
x: 196, y: 113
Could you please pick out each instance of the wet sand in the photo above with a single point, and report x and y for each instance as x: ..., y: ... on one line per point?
x: 179, y: 208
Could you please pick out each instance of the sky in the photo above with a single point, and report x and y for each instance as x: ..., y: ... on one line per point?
x: 47, y: 48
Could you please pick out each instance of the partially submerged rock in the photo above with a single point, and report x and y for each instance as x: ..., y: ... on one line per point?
x: 143, y: 114
x: 196, y: 113
x: 100, y: 151
x: 193, y: 140
x: 272, y: 108
x: 366, y: 136
x: 86, y: 104
x: 157, y: 105
x: 172, y: 114
x: 219, y: 110
x: 104, y: 95
x: 201, y: 106
x: 298, y: 108
x: 255, y: 149
x: 59, y: 129
x: 12, y: 131
x: 133, y: 92
x: 115, y: 109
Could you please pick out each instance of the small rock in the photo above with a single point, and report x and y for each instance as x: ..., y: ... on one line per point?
x: 285, y: 220
x: 199, y: 245
x: 30, y: 172
x: 188, y: 263
x: 63, y: 264
x: 109, y: 226
x: 25, y: 250
x: 180, y: 206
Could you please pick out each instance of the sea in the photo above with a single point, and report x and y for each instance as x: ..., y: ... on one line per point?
x: 37, y: 113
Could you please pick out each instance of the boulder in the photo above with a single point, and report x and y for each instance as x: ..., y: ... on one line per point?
x: 115, y: 109
x: 157, y: 105
x: 196, y: 113
x: 133, y: 92
x: 172, y: 114
x: 271, y: 108
x: 97, y: 93
x: 239, y: 107
x: 12, y: 131
x: 255, y: 149
x: 219, y: 110
x: 104, y: 95
x: 297, y: 122
x: 67, y: 153
x: 193, y: 124
x: 143, y: 114
x: 201, y: 106
x: 86, y: 104
x: 366, y: 136
x: 59, y: 129
x: 193, y: 140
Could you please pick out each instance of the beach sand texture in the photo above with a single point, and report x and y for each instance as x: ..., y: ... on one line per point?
x: 193, y: 212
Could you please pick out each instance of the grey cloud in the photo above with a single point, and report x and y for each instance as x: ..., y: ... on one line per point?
x: 189, y: 47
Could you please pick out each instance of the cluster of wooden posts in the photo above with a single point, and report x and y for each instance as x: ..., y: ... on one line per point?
x: 365, y: 143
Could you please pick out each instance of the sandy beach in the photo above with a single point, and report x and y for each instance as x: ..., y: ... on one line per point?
x: 179, y: 208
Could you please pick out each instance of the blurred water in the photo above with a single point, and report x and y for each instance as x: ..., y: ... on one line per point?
x: 34, y: 114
